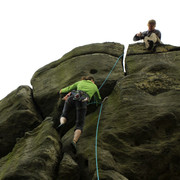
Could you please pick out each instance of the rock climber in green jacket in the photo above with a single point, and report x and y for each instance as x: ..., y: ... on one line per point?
x: 79, y: 94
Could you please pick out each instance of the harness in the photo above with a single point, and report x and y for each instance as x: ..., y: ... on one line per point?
x: 79, y: 95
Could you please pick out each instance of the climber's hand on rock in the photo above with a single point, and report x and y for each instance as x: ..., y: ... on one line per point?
x: 59, y: 92
x: 66, y: 97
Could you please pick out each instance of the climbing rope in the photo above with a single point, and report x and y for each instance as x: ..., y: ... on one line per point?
x: 107, y: 77
x: 97, y: 171
x: 110, y: 71
x: 100, y: 111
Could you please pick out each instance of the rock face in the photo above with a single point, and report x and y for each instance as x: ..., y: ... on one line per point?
x: 138, y: 137
x: 94, y: 59
x: 68, y: 169
x: 143, y: 114
x: 35, y: 156
x: 18, y: 114
x: 139, y: 127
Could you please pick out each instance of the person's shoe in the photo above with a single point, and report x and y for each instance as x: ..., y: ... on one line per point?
x: 151, y: 43
x: 60, y: 127
x: 73, y: 145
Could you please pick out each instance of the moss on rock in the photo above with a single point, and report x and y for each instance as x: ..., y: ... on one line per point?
x: 18, y: 114
x: 35, y: 156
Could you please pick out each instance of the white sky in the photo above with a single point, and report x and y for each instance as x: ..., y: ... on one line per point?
x: 34, y: 33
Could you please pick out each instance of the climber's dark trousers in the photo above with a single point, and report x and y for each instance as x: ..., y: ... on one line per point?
x: 81, y: 109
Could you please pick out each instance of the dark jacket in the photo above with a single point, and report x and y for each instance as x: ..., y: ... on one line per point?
x: 147, y: 33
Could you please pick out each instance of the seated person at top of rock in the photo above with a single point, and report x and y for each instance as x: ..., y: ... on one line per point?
x: 79, y: 94
x: 151, y: 37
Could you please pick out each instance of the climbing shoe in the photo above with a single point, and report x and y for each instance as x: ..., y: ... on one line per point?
x: 73, y: 145
x: 60, y: 127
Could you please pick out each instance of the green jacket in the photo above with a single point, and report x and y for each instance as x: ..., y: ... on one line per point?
x: 84, y: 85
